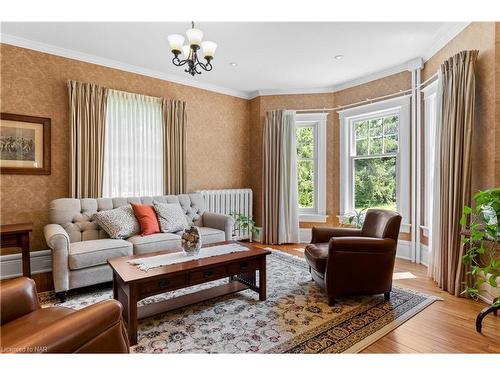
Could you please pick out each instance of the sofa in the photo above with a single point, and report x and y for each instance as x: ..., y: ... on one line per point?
x: 28, y: 328
x: 80, y: 248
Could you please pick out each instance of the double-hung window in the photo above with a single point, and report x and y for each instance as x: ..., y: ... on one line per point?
x: 311, y: 166
x: 375, y: 157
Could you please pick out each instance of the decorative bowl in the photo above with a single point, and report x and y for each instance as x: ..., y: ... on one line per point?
x: 191, y: 241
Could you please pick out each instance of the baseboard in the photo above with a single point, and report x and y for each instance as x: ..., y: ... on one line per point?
x: 11, y: 265
x: 424, y: 255
x: 305, y: 235
x: 404, y: 250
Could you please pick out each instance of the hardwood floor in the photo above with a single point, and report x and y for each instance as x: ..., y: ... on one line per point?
x: 447, y: 326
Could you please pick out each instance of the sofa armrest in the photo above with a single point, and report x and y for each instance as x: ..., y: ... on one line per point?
x: 74, y: 331
x: 361, y: 244
x: 58, y: 240
x: 17, y: 297
x: 219, y: 221
x: 323, y: 234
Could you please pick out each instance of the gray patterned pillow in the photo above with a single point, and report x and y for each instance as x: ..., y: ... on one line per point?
x: 119, y: 222
x: 171, y: 217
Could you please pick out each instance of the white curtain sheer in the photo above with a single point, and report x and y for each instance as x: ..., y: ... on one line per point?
x: 133, y: 146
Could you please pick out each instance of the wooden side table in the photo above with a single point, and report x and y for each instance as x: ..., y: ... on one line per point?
x: 18, y: 235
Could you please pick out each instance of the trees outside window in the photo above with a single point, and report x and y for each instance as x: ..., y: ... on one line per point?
x: 311, y: 166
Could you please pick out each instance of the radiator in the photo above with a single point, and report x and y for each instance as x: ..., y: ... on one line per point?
x: 230, y: 202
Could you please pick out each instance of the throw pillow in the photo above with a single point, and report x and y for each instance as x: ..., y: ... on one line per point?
x: 171, y: 217
x: 118, y: 223
x: 146, y: 215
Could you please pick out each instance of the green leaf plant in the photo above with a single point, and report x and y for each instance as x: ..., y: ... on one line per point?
x: 245, y: 223
x: 480, y: 251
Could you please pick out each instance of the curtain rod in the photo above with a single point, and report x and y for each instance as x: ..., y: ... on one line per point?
x: 370, y: 100
x: 367, y: 100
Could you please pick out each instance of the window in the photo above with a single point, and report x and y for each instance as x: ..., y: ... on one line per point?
x: 311, y: 166
x: 375, y: 157
x: 133, y: 146
x: 430, y: 102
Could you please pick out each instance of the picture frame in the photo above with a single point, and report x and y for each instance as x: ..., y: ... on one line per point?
x: 24, y: 144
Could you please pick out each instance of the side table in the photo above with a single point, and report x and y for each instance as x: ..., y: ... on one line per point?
x: 18, y: 235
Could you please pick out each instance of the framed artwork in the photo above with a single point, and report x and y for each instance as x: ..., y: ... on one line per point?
x: 24, y: 144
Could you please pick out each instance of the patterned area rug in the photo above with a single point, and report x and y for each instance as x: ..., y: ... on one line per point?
x: 295, y: 318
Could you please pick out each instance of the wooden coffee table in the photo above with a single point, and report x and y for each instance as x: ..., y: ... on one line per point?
x: 130, y: 284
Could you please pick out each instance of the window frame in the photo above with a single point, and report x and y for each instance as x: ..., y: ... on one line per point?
x: 429, y: 128
x: 318, y: 122
x: 400, y: 107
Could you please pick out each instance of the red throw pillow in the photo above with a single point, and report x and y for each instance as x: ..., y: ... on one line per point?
x: 146, y: 216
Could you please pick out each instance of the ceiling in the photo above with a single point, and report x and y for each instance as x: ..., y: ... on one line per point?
x: 273, y: 57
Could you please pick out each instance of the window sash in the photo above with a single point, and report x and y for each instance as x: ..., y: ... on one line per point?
x: 314, y: 159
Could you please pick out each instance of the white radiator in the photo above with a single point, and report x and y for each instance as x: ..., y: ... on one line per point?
x: 230, y: 202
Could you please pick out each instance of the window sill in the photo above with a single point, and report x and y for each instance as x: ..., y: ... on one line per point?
x: 312, y: 218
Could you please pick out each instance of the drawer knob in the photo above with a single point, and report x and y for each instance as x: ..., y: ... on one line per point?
x: 164, y: 283
x: 208, y: 273
x: 244, y: 265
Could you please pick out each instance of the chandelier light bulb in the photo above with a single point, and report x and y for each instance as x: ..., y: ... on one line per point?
x: 186, y: 51
x: 194, y: 36
x: 176, y: 41
x: 208, y: 49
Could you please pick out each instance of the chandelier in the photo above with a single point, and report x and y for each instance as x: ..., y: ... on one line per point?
x: 190, y: 51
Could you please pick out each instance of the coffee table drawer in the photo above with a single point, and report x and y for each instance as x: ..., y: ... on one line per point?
x: 207, y: 275
x: 243, y: 266
x: 166, y: 284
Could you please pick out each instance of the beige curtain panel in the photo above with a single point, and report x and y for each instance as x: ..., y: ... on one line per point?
x: 280, y: 223
x: 87, y: 114
x: 175, y: 125
x: 453, y: 158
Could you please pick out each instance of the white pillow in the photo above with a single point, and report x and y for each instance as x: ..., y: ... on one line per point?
x: 171, y: 217
x: 119, y: 222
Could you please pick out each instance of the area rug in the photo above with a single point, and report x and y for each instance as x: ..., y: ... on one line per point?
x: 295, y: 318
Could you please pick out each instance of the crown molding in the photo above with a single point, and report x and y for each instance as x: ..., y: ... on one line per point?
x: 76, y: 55
x: 446, y: 33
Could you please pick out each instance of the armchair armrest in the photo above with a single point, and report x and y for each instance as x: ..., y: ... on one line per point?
x: 58, y: 240
x: 323, y: 234
x: 18, y: 297
x: 219, y: 221
x: 361, y: 244
x: 79, y: 329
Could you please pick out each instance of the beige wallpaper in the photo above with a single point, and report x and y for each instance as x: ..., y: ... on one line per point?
x: 34, y: 83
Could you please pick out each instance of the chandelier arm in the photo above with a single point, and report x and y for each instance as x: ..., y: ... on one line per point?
x: 178, y: 62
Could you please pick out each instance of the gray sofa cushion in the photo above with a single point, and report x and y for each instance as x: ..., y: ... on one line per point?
x: 119, y: 222
x: 155, y: 242
x: 91, y: 253
x: 211, y: 235
x: 171, y: 217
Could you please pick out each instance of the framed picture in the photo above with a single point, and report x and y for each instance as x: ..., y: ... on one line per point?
x: 24, y: 144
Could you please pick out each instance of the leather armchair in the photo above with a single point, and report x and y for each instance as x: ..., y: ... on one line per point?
x: 28, y: 328
x: 345, y: 261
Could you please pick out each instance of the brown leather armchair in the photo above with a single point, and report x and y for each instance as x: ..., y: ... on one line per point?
x: 28, y: 328
x: 346, y: 261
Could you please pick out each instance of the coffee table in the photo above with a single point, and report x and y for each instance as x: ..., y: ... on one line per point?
x: 130, y: 284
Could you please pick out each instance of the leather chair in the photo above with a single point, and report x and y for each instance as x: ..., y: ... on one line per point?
x: 345, y: 261
x: 28, y: 328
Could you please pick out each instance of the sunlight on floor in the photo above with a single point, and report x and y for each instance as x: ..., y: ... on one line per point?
x: 403, y: 275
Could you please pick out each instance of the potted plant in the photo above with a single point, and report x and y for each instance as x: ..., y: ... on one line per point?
x: 483, y: 233
x: 246, y: 224
x: 354, y: 219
